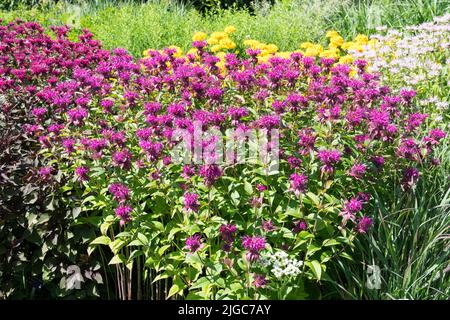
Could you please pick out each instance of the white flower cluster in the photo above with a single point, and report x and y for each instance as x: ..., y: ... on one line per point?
x: 416, y: 57
x: 281, y: 265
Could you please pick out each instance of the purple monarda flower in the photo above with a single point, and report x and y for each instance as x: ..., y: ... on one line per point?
x: 39, y: 113
x: 237, y: 113
x: 407, y: 95
x: 122, y: 159
x: 253, y: 245
x: 120, y: 192
x: 82, y: 173
x: 357, y: 171
x: 260, y: 187
x: 410, y: 177
x: 298, y: 183
x: 434, y: 137
x: 256, y: 202
x: 210, y: 173
x: 409, y: 149
x: 269, y: 122
x: 415, y: 120
x: 77, y: 116
x: 259, y: 280
x: 188, y: 171
x: 191, y: 202
x: 45, y: 172
x: 107, y: 105
x: 294, y: 162
x: 300, y: 225
x: 152, y: 149
x: 378, y: 161
x: 363, y: 224
x: 69, y: 145
x: 123, y: 212
x: 193, y: 243
x: 227, y: 232
x: 307, y: 140
x: 267, y: 225
x: 351, y: 207
x: 329, y: 157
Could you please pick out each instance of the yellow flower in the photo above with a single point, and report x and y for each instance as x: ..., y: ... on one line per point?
x: 336, y: 41
x: 216, y: 48
x: 283, y: 54
x: 372, y: 42
x: 219, y: 35
x: 330, y: 53
x: 192, y: 51
x: 346, y: 59
x: 263, y: 58
x: 347, y: 45
x: 271, y: 48
x: 332, y: 33
x: 227, y: 43
x: 221, y: 56
x: 212, y: 41
x: 229, y: 29
x: 362, y: 39
x: 251, y: 43
x: 314, y: 50
x: 178, y: 53
x: 199, y: 36
x: 306, y: 45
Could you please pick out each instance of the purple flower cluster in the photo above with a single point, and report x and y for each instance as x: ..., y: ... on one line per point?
x: 227, y: 232
x: 298, y: 183
x: 194, y: 243
x: 254, y: 245
x: 191, y: 202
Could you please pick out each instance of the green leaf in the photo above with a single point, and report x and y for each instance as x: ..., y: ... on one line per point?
x: 330, y: 242
x: 117, y: 259
x: 158, y: 225
x: 314, y: 198
x: 160, y: 277
x: 116, y: 245
x: 311, y: 249
x: 316, y: 268
x: 235, y: 198
x: 201, y: 283
x: 248, y: 187
x: 173, y: 290
x: 163, y: 249
x: 105, y: 226
x: 101, y: 240
x: 142, y: 238
x: 177, y: 287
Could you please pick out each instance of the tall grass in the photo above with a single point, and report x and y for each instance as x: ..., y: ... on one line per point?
x: 363, y: 16
x: 410, y: 244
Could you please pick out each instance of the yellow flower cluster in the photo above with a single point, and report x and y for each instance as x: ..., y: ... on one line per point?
x: 220, y: 43
x: 266, y: 50
x: 178, y: 51
x: 337, y: 47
